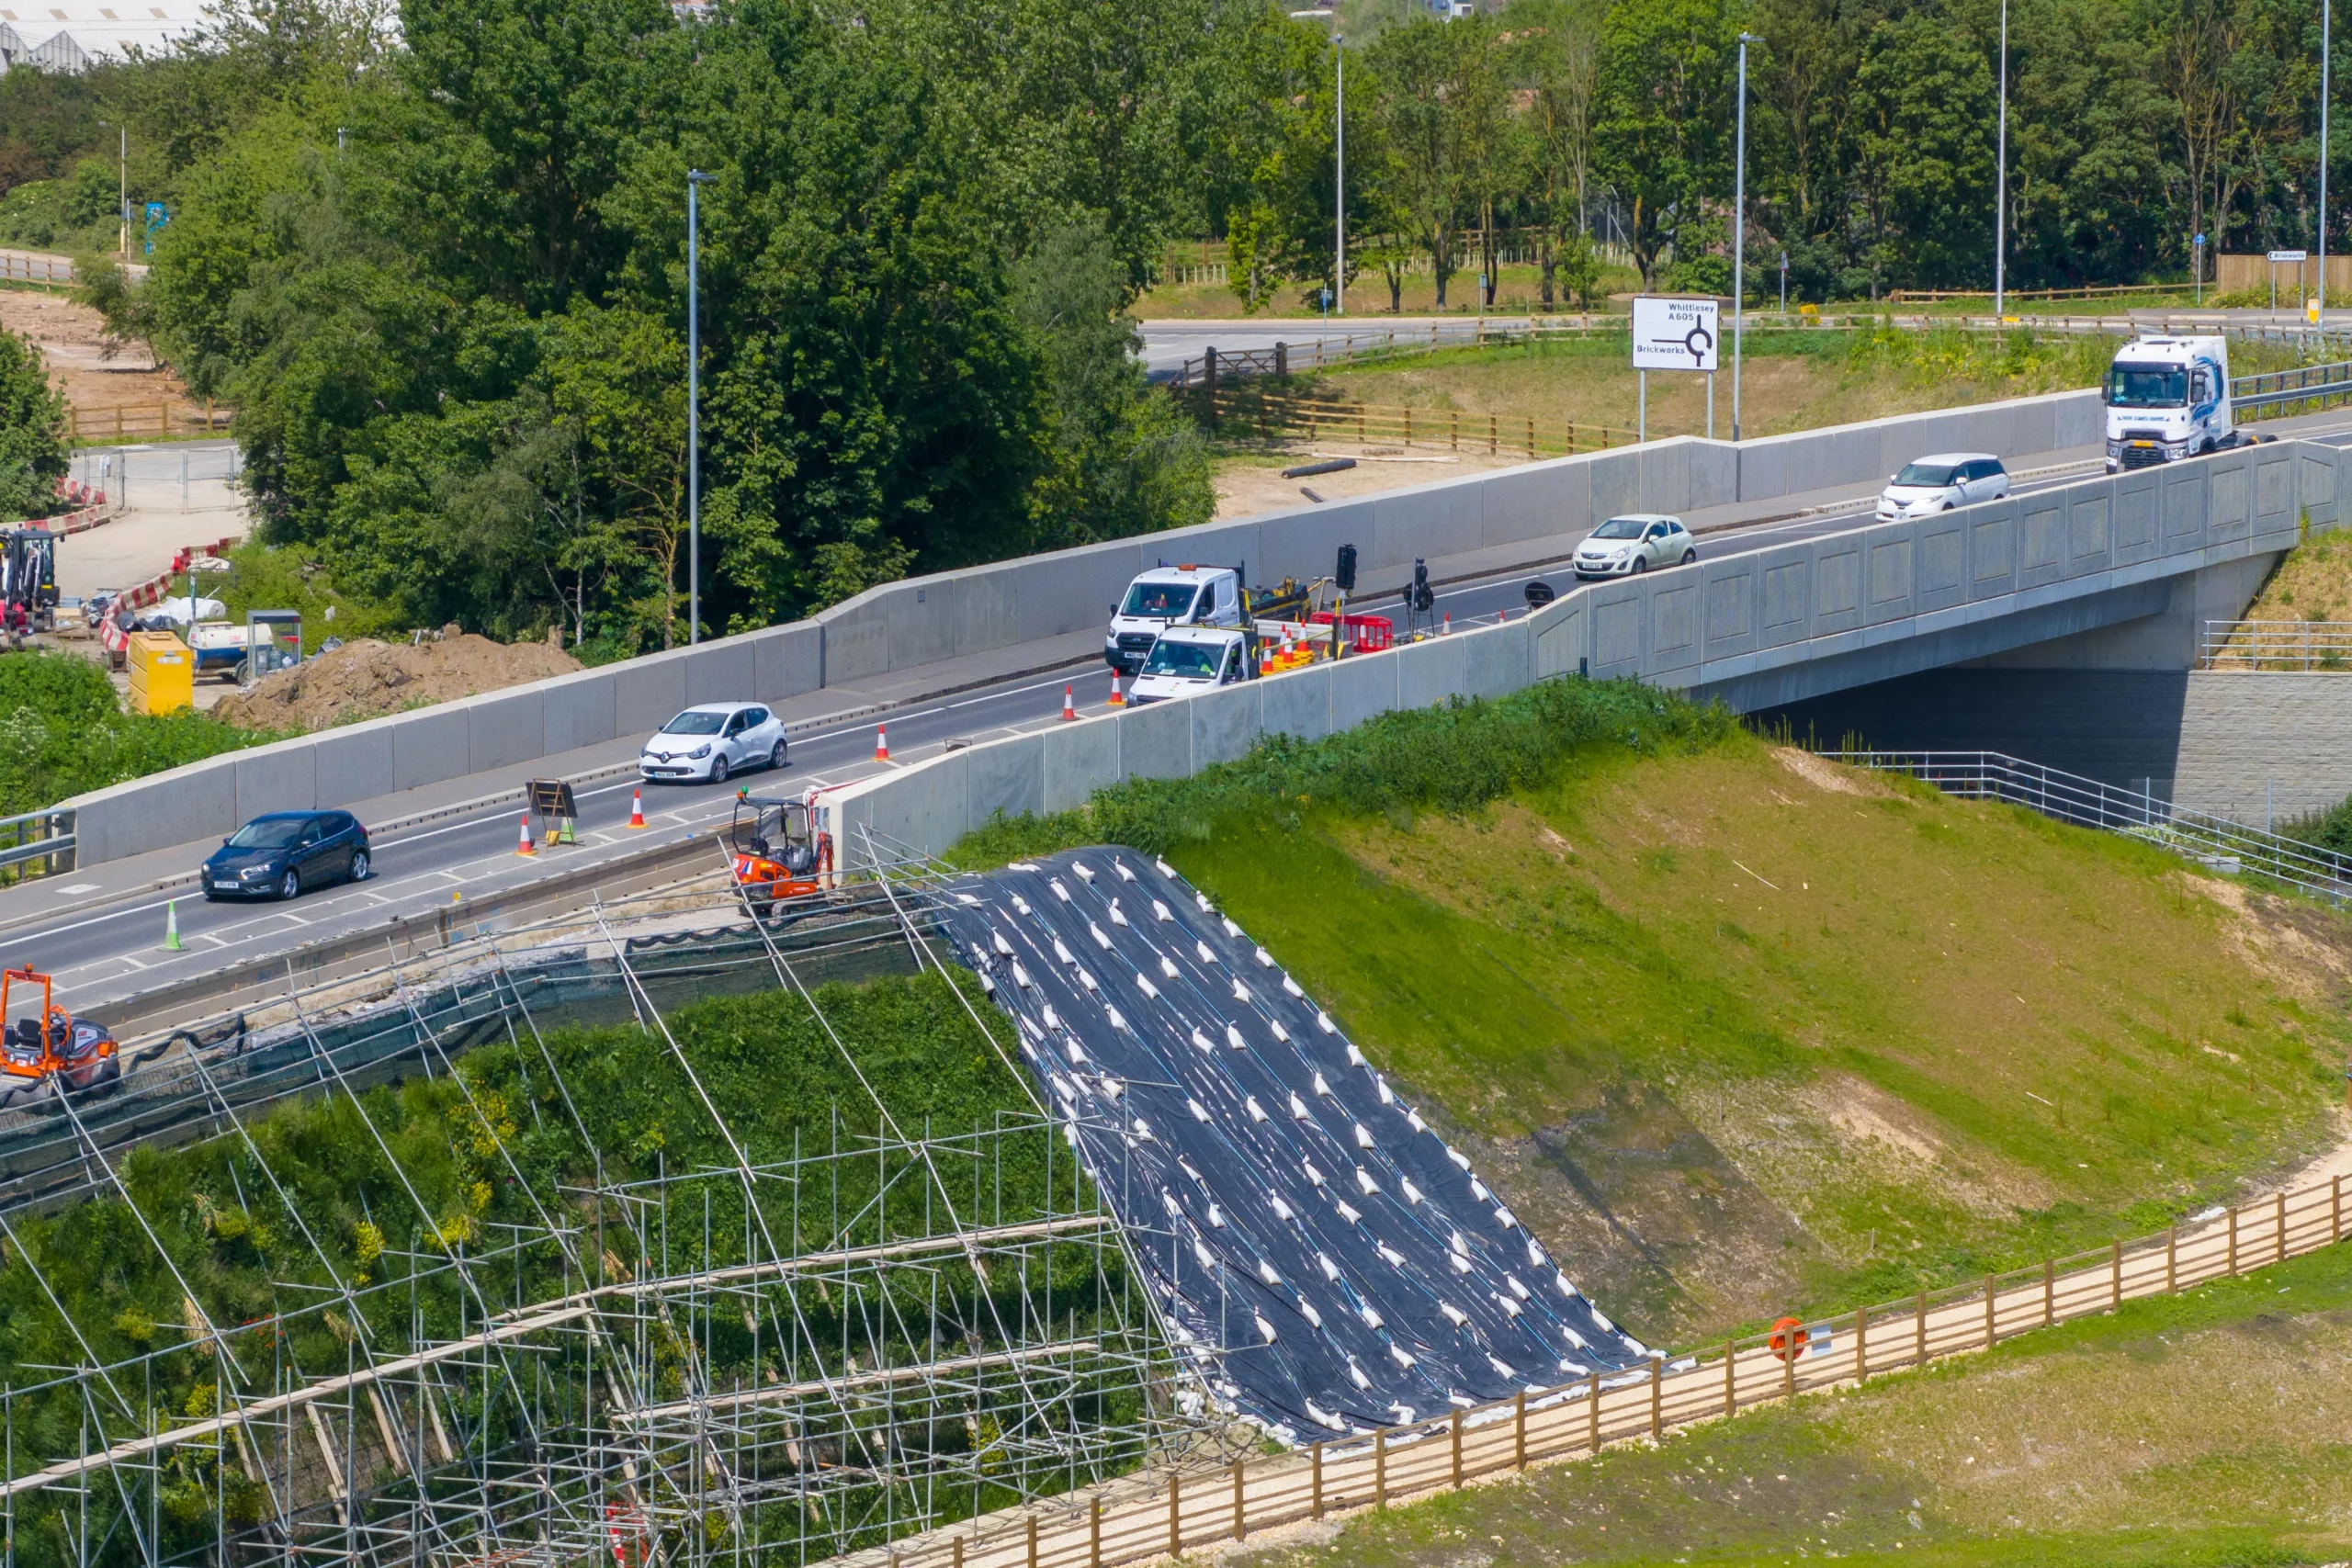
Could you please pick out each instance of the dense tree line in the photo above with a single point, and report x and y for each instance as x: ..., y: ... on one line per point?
x: 2134, y: 124
x: 436, y: 258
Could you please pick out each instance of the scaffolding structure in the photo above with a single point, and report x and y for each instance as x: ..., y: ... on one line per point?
x: 760, y: 1359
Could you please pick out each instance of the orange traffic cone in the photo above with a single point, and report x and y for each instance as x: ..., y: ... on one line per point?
x: 1446, y: 627
x: 1116, y: 701
x: 1068, y: 710
x: 636, y: 807
x: 881, y: 743
x: 524, y: 848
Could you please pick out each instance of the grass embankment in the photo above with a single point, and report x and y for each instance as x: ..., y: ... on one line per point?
x: 433, y: 1168
x: 1737, y: 1030
x: 2313, y: 582
x: 2202, y: 1429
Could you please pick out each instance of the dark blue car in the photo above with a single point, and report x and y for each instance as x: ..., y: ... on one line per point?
x: 279, y: 854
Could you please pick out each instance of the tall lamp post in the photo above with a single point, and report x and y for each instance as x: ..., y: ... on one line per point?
x: 695, y: 179
x: 1739, y: 239
x: 2325, y: 20
x: 2001, y: 179
x: 122, y: 187
x: 1339, y: 183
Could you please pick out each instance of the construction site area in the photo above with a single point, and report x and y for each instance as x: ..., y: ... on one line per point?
x: 660, y: 1231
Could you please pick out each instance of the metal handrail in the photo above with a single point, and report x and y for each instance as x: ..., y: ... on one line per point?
x: 2308, y: 383
x: 35, y: 838
x: 2215, y: 842
x: 2275, y: 644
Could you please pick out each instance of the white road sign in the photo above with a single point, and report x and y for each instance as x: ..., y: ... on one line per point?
x: 1675, y: 334
x: 2283, y: 256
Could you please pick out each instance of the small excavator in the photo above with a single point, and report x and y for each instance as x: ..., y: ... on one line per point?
x: 777, y: 853
x: 79, y: 1053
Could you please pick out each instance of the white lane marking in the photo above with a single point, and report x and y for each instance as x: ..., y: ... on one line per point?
x: 79, y: 887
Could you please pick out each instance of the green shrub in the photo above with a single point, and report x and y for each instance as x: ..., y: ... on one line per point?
x: 1456, y: 757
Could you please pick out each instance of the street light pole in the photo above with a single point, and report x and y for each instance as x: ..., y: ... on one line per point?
x: 122, y: 189
x: 2001, y: 180
x: 1739, y: 240
x: 695, y: 179
x: 1339, y: 183
x: 2324, y: 20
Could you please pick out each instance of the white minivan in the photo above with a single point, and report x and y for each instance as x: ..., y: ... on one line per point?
x: 1939, y: 483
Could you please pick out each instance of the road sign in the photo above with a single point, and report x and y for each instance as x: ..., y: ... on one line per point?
x: 2281, y: 257
x: 2201, y: 239
x: 1675, y: 334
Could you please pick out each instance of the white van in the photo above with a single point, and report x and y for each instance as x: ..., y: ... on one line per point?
x: 1167, y: 596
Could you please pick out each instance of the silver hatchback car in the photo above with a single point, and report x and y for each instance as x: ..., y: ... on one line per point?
x: 1635, y: 543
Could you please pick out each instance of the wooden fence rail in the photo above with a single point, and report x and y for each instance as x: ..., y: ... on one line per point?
x: 135, y: 422
x: 1452, y: 429
x: 1140, y: 1518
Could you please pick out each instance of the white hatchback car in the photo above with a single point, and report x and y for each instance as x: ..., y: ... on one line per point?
x: 710, y: 740
x: 1633, y: 543
x: 1942, y: 482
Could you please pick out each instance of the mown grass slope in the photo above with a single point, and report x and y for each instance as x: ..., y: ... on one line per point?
x: 1737, y: 1030
x: 2201, y: 1429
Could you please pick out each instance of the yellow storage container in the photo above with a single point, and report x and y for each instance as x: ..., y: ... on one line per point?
x: 162, y: 674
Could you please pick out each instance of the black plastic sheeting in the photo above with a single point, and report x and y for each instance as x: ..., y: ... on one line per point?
x: 1327, y: 1260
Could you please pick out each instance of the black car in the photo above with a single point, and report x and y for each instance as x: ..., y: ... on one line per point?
x: 279, y: 854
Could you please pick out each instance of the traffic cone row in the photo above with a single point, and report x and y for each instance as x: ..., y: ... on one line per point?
x: 636, y: 807
x: 526, y: 847
x: 881, y: 743
x: 1070, y: 710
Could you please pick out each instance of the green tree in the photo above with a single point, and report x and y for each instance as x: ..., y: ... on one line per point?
x: 32, y: 431
x: 1555, y: 59
x: 1432, y: 106
x: 1923, y: 151
x: 1663, y: 139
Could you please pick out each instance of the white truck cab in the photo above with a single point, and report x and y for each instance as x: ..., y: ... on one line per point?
x: 2168, y: 398
x: 1163, y: 598
x: 1186, y: 660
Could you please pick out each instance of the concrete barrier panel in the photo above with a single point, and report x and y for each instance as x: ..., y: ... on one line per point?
x: 1890, y: 574
x: 1534, y: 502
x: 1298, y: 703
x: 1078, y: 759
x: 647, y: 692
x: 1616, y: 482
x: 503, y: 729
x: 1943, y: 559
x: 2315, y: 486
x: 284, y: 777
x: 723, y: 671
x: 1666, y: 474
x: 355, y: 762
x: 1498, y: 661
x: 1784, y: 589
x: 1225, y: 724
x: 786, y: 661
x: 577, y: 710
x: 1674, y: 618
x: 2088, y: 535
x: 432, y: 745
x: 1009, y: 777
x: 1618, y: 611
x: 134, y: 818
x: 1761, y: 470
x: 1837, y: 584
x: 1730, y: 609
x: 2041, y: 539
x: 2274, y: 485
x: 1427, y: 520
x: 1992, y: 535
x: 984, y: 610
x: 1155, y: 743
x: 921, y: 616
x: 1071, y: 590
x: 924, y: 810
x: 857, y: 637
x: 1305, y: 545
x: 1714, y: 474
x: 1428, y: 672
x: 1559, y: 631
x: 1362, y: 688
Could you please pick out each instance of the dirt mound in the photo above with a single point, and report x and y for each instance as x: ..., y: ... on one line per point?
x: 367, y: 678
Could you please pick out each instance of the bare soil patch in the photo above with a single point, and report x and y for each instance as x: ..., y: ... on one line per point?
x: 73, y: 338
x: 367, y: 678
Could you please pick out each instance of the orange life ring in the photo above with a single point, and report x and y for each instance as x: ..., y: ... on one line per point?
x: 1788, y: 1339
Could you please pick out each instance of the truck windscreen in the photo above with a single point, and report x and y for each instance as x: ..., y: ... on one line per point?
x: 2147, y: 387
x: 1186, y: 660
x: 1168, y: 601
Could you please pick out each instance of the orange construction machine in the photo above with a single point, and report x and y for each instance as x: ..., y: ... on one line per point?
x: 79, y: 1052
x: 777, y: 853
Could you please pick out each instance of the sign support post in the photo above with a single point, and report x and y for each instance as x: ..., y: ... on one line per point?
x: 1642, y: 419
x: 1676, y: 333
